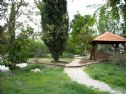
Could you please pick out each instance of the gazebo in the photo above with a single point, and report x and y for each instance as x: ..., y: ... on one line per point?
x: 107, y: 38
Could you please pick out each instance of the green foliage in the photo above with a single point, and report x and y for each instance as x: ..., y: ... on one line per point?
x: 3, y: 44
x: 37, y: 49
x: 102, y: 24
x: 73, y: 87
x: 3, y: 49
x: 82, y: 32
x: 119, y: 9
x: 13, y: 46
x: 124, y: 29
x: 110, y: 73
x: 115, y: 12
x: 18, y: 49
x: 54, y: 21
x: 108, y: 20
x: 32, y: 66
x: 123, y: 9
x: 49, y: 81
x: 4, y: 60
x: 71, y: 47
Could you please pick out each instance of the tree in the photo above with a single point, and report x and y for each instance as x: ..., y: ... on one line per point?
x: 82, y: 31
x: 71, y: 47
x: 102, y: 22
x: 3, y: 41
x: 124, y: 18
x: 107, y: 20
x: 15, y: 35
x: 3, y: 8
x: 38, y: 49
x: 19, y: 46
x: 116, y: 6
x: 54, y: 22
x: 15, y: 45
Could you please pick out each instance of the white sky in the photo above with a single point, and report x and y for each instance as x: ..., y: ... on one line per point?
x: 73, y: 7
x: 80, y: 6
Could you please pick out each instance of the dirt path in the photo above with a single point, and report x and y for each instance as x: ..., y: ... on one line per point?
x: 79, y: 75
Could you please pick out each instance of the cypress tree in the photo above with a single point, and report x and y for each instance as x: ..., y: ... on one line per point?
x: 54, y: 22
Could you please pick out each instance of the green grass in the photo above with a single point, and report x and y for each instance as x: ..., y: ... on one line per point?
x: 50, y: 81
x: 112, y: 74
x: 48, y: 60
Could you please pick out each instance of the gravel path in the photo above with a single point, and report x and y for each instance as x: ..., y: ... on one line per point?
x: 77, y: 74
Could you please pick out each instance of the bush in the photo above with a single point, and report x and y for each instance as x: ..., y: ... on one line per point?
x: 119, y: 59
x: 33, y: 66
x: 67, y: 55
x: 4, y: 60
x: 37, y: 49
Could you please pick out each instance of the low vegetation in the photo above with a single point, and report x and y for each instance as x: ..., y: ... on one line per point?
x: 49, y: 59
x: 51, y: 80
x: 112, y: 74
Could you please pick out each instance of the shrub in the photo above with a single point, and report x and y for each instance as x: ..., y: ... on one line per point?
x: 67, y: 55
x: 4, y: 60
x: 38, y: 49
x: 33, y: 66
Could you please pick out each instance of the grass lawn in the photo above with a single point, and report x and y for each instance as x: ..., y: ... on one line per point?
x: 48, y: 60
x: 50, y: 81
x: 112, y: 74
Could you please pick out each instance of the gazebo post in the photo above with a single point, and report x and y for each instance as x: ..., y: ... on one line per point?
x: 93, y: 52
x: 116, y: 46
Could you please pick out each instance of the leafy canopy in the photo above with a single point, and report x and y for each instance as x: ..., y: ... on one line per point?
x: 82, y: 31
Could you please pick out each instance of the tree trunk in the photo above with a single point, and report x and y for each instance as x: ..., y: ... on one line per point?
x: 12, y: 66
x: 11, y: 30
x: 55, y: 56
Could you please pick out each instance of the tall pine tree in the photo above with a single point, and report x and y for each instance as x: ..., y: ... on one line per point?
x: 54, y: 22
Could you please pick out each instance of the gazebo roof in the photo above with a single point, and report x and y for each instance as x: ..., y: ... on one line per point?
x: 109, y: 37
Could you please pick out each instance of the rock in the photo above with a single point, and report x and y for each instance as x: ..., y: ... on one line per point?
x: 36, y: 70
x: 4, y: 68
x: 22, y: 65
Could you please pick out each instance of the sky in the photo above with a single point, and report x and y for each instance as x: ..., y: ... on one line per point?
x: 73, y: 6
x: 81, y: 6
